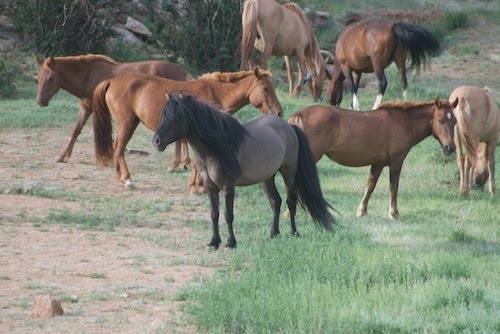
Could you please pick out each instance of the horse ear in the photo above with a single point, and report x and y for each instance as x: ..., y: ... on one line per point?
x: 167, y: 96
x: 39, y: 60
x: 437, y: 102
x: 256, y: 71
x: 454, y: 103
x: 51, y: 63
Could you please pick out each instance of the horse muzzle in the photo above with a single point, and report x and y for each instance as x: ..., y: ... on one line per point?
x: 42, y: 101
x: 158, y: 143
x: 449, y: 149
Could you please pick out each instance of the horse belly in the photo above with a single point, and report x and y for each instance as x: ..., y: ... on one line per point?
x: 357, y: 158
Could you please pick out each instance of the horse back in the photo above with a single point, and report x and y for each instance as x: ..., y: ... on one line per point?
x: 163, y: 69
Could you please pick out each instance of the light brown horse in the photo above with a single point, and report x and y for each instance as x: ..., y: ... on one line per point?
x: 80, y: 75
x: 372, y: 45
x: 134, y: 98
x: 379, y: 138
x: 478, y: 121
x: 282, y: 30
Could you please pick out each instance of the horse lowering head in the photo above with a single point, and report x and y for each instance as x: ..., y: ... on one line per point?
x: 335, y: 87
x: 443, y: 124
x: 262, y: 94
x: 170, y: 129
x: 49, y: 81
x: 315, y: 83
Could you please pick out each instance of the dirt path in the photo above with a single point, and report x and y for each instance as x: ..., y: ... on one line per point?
x: 125, y: 280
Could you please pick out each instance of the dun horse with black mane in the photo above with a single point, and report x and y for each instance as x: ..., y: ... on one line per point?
x: 372, y: 45
x: 230, y: 154
x: 379, y: 138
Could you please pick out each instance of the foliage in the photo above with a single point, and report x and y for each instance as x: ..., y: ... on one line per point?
x: 205, y: 34
x: 64, y: 27
x: 7, y: 75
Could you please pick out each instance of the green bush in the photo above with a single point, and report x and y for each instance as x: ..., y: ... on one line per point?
x: 64, y: 27
x: 7, y: 74
x: 206, y: 34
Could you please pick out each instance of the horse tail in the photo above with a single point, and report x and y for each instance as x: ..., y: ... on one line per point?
x: 249, y: 23
x: 307, y: 185
x: 419, y: 43
x: 103, y: 131
x: 465, y: 133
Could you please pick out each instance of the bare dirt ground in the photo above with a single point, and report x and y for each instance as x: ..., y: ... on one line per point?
x: 119, y: 281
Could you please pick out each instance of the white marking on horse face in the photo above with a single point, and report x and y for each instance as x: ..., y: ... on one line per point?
x: 448, y: 115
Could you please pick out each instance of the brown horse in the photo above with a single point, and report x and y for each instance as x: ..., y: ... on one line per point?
x: 135, y: 97
x: 230, y: 154
x: 372, y: 45
x: 80, y: 75
x: 478, y: 121
x: 379, y: 138
x: 282, y: 30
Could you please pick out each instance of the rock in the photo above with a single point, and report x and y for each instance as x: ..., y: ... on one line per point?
x: 126, y: 36
x: 47, y: 306
x: 138, y: 28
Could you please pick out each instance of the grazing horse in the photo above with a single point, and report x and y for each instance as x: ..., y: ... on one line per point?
x: 282, y: 30
x: 80, y: 75
x: 379, y: 138
x: 135, y: 97
x: 478, y: 121
x: 230, y: 154
x: 372, y: 45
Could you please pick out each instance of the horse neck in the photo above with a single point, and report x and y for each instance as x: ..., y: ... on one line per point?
x: 81, y: 79
x: 233, y: 96
x: 419, y: 121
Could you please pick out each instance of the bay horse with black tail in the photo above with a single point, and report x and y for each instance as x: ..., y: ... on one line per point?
x: 370, y: 46
x: 282, y: 30
x: 376, y: 138
x: 80, y: 75
x: 478, y: 121
x: 230, y: 154
x: 133, y: 98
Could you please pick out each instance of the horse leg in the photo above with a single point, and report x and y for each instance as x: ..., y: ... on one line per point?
x: 229, y: 215
x: 382, y: 85
x: 301, y: 67
x: 291, y: 199
x: 460, y: 162
x: 125, y: 132
x: 353, y: 89
x: 375, y: 171
x: 395, y: 172
x: 192, y: 178
x: 83, y: 116
x: 274, y: 198
x: 289, y: 70
x: 186, y: 161
x: 176, y: 159
x: 400, y: 60
x: 213, y: 195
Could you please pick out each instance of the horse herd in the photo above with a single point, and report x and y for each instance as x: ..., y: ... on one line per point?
x: 167, y: 100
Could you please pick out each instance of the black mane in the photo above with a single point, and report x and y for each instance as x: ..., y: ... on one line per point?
x: 221, y: 134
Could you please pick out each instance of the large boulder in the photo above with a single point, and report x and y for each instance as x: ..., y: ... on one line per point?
x: 47, y: 306
x: 138, y: 28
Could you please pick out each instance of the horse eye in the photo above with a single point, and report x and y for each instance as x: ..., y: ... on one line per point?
x: 441, y: 121
x: 265, y: 89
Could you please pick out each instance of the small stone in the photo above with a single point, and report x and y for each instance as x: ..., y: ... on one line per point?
x: 47, y: 306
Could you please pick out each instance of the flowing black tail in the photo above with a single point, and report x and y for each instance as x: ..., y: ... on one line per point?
x: 307, y: 184
x: 420, y: 44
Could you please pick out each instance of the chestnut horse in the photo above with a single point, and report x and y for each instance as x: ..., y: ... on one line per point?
x: 136, y: 97
x: 478, y: 121
x: 80, y: 75
x: 372, y: 45
x: 379, y: 138
x: 282, y: 30
x: 229, y: 154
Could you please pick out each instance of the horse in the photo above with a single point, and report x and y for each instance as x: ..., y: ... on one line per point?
x: 283, y: 30
x: 230, y: 154
x: 478, y: 121
x: 372, y: 45
x: 376, y: 138
x: 80, y: 75
x: 137, y: 97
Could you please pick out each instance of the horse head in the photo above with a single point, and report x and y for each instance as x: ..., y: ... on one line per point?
x: 443, y: 124
x: 262, y: 94
x: 169, y: 129
x: 335, y: 86
x: 49, y: 81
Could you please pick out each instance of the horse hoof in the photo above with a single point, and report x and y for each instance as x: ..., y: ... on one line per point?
x: 61, y: 159
x: 128, y: 185
x: 394, y: 216
x: 230, y: 246
x: 361, y: 214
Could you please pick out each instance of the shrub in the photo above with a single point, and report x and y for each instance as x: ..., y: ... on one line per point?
x: 7, y: 74
x: 204, y: 33
x: 63, y: 27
